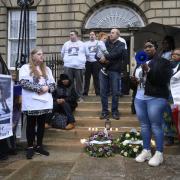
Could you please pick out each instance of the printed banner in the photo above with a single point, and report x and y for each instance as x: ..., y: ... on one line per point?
x: 6, y: 106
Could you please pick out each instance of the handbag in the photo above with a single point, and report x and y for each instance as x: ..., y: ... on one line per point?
x: 59, y: 121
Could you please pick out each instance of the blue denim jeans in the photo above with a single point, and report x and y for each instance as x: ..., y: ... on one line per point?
x: 150, y: 115
x: 111, y: 82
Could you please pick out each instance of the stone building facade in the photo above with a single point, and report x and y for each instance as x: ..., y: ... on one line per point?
x: 55, y: 18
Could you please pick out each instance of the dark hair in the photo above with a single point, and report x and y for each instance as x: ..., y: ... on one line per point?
x: 170, y: 41
x: 74, y: 31
x: 152, y: 42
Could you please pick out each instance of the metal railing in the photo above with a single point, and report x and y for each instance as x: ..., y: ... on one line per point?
x: 55, y: 63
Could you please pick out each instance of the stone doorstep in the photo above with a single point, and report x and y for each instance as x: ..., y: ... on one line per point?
x: 100, y: 123
x: 97, y: 113
x: 88, y: 104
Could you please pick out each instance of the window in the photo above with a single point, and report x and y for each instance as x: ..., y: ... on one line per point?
x: 13, y: 34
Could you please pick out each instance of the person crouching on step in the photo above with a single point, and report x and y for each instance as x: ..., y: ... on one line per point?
x: 65, y: 100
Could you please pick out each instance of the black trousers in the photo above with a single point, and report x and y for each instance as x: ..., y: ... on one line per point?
x: 30, y: 129
x: 3, y: 147
x: 92, y: 68
x: 65, y: 109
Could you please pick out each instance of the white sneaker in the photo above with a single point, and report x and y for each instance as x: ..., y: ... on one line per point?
x: 157, y: 159
x: 145, y: 155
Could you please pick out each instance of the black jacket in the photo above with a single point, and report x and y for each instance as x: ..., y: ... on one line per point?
x: 158, y: 78
x: 117, y: 56
x: 66, y: 92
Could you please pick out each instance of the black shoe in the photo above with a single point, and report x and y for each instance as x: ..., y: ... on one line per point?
x: 104, y: 116
x: 116, y: 116
x: 169, y: 141
x: 29, y: 153
x: 85, y: 94
x: 3, y: 157
x: 40, y: 150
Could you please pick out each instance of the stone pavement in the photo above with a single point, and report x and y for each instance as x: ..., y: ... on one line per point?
x: 79, y: 166
x: 67, y: 161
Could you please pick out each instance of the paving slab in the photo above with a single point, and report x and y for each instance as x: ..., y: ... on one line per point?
x: 42, y: 170
x: 98, y: 168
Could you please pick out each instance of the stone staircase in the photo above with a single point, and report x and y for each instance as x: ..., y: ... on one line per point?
x: 87, y: 116
x: 67, y: 160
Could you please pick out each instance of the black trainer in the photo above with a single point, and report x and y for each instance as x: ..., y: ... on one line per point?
x: 29, y: 153
x: 104, y: 116
x: 40, y: 150
x: 116, y: 116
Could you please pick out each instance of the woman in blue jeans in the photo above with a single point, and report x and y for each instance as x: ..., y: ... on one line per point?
x: 150, y: 102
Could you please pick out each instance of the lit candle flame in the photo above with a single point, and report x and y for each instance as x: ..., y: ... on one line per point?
x: 116, y: 129
x: 89, y: 129
x: 92, y: 129
x: 153, y: 142
x: 83, y: 141
x: 110, y: 129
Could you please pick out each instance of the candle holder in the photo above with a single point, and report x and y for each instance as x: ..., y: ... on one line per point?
x: 107, y: 124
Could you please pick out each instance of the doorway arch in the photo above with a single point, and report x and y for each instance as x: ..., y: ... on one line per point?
x: 115, y: 15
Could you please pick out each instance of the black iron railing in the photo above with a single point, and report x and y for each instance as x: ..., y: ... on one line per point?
x: 55, y: 63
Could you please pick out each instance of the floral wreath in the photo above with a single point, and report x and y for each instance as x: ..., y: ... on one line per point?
x: 102, y: 144
x: 99, y: 144
x: 129, y: 144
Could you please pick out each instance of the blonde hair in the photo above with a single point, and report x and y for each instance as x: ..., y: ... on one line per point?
x: 33, y: 70
x: 101, y: 34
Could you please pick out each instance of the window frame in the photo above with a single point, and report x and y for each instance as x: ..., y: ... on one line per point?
x: 11, y: 39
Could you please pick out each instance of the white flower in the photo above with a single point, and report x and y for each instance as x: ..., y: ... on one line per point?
x: 122, y: 151
x: 138, y: 134
x: 127, y: 135
x: 132, y: 139
x: 135, y: 150
x: 124, y: 143
x: 130, y: 145
x: 125, y: 154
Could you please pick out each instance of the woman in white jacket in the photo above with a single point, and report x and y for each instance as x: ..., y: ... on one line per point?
x: 37, y: 85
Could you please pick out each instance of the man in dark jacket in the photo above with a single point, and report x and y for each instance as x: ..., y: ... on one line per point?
x: 114, y: 61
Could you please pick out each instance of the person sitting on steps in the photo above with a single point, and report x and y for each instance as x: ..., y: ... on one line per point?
x: 65, y: 100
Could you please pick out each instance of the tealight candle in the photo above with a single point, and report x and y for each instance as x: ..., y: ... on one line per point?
x: 116, y: 129
x: 110, y: 129
x: 92, y: 129
x: 83, y: 141
x: 89, y: 129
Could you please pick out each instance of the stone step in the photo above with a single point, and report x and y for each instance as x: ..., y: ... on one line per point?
x: 97, y: 104
x: 92, y: 98
x: 73, y: 145
x: 81, y: 132
x: 89, y: 112
x: 96, y: 122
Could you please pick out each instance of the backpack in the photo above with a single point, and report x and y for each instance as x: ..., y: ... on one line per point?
x: 59, y: 121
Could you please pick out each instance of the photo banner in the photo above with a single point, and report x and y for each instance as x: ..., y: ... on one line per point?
x: 6, y: 106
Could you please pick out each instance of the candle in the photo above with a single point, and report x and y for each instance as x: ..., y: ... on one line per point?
x: 116, y: 129
x: 89, y: 129
x: 83, y: 141
x: 92, y: 129
x: 96, y: 129
x: 110, y: 129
